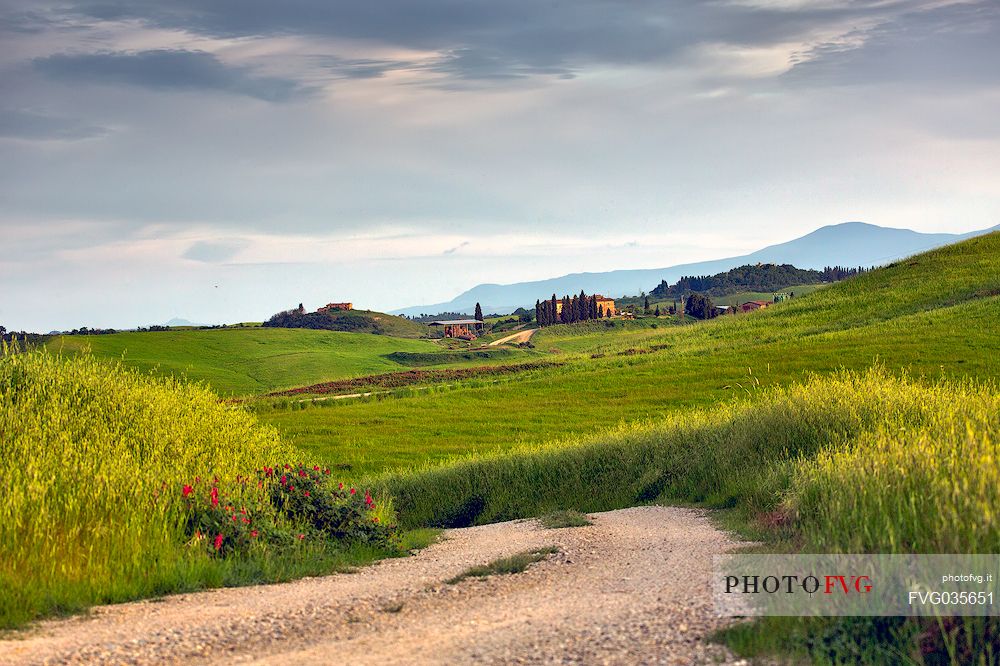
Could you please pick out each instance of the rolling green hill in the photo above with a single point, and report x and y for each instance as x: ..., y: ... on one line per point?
x: 906, y: 317
x: 251, y: 360
x: 350, y: 321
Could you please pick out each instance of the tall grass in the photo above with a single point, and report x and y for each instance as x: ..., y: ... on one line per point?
x: 929, y: 486
x: 94, y: 457
x: 854, y: 460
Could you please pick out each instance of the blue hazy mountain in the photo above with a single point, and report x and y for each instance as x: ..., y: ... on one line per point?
x: 847, y: 244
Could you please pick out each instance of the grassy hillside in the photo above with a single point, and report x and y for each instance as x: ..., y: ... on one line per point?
x: 853, y: 462
x: 118, y: 485
x: 350, y: 321
x: 935, y: 315
x: 251, y: 360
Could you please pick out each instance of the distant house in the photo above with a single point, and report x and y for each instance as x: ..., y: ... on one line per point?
x: 466, y: 329
x: 750, y: 306
x: 724, y: 309
x: 604, y: 305
x: 332, y: 307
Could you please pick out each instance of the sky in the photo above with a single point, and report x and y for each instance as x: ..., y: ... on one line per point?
x: 220, y: 160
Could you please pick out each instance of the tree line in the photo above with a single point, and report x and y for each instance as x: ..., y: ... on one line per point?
x: 580, y: 307
x: 760, y: 277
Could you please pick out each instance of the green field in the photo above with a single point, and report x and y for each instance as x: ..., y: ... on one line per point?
x: 935, y: 316
x: 251, y: 360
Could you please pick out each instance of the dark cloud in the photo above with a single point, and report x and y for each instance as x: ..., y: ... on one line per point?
x: 496, y: 40
x: 947, y: 46
x: 490, y: 41
x: 17, y: 124
x: 168, y: 70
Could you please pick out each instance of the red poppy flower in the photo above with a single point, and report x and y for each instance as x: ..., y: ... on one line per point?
x: 306, y: 493
x: 315, y: 468
x: 340, y: 486
x: 218, y: 542
x: 187, y: 491
x: 254, y: 533
x: 353, y: 491
x: 302, y: 536
x: 284, y: 479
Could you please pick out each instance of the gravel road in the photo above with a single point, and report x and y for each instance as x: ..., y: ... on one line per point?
x: 522, y: 336
x: 631, y: 588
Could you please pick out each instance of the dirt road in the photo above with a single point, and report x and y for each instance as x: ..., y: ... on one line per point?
x: 520, y: 336
x: 631, y: 588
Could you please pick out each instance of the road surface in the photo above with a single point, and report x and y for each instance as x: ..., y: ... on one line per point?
x: 631, y: 588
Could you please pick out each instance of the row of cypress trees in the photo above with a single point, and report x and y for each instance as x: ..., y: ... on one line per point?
x: 580, y: 307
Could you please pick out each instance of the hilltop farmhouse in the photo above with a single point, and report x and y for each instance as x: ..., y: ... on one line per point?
x: 333, y: 307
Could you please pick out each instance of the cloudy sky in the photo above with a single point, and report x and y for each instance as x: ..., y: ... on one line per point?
x: 222, y: 159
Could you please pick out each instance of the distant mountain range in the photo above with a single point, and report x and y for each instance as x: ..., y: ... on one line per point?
x: 847, y: 244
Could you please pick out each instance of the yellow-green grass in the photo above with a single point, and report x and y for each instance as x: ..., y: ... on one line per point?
x: 251, y: 360
x: 935, y: 315
x: 95, y: 459
x: 856, y: 461
x: 841, y: 463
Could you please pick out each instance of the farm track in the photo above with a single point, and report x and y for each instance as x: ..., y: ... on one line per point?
x: 520, y: 336
x: 411, y: 377
x: 631, y: 588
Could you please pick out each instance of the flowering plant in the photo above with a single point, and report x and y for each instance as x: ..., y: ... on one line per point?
x: 280, y: 506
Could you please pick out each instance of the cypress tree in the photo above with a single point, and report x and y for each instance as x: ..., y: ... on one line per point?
x: 479, y: 312
x: 657, y: 313
x: 538, y: 312
x: 645, y: 305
